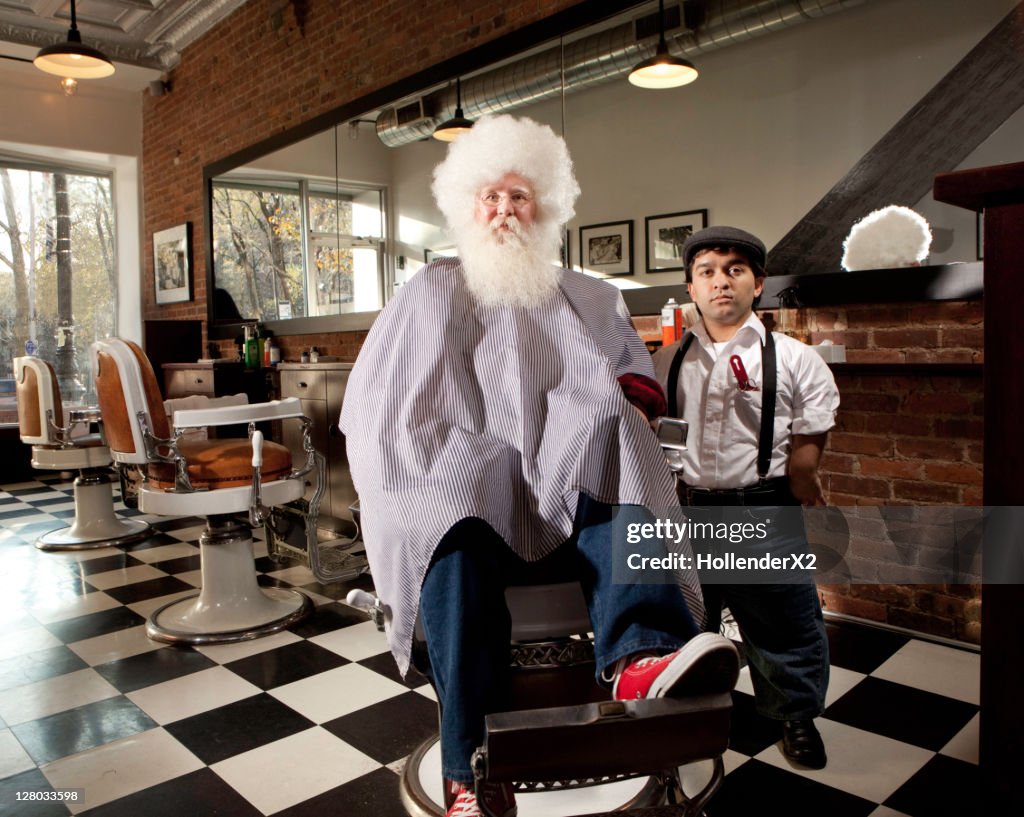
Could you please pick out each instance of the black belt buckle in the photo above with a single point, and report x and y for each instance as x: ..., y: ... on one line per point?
x: 769, y: 492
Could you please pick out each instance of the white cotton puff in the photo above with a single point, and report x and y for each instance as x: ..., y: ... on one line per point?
x: 891, y: 237
x: 497, y: 145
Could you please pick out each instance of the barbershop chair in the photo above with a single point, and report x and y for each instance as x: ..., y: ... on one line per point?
x: 56, y: 447
x: 231, y: 482
x: 565, y: 745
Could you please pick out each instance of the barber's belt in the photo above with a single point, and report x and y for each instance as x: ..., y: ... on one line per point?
x: 768, y: 492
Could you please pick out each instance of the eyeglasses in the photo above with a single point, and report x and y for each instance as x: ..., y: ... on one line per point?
x: 517, y: 199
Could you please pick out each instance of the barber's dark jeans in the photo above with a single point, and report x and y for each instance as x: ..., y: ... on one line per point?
x: 467, y: 626
x: 783, y: 632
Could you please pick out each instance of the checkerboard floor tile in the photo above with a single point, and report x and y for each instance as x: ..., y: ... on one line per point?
x: 315, y: 720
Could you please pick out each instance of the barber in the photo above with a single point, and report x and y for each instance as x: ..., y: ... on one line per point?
x: 759, y: 406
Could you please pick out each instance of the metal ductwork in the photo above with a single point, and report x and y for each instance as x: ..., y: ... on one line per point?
x: 602, y: 57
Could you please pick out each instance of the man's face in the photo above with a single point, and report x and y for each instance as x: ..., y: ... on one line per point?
x: 724, y: 287
x: 511, y: 195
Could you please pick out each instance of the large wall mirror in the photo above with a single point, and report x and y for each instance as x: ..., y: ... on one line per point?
x: 315, y: 231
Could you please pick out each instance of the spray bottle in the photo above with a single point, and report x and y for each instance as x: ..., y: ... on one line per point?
x: 671, y: 323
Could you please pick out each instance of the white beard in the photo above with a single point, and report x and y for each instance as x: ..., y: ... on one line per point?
x: 510, y: 268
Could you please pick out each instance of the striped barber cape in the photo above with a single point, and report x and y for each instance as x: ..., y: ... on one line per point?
x: 457, y: 410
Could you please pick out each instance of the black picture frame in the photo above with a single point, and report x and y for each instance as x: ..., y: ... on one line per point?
x: 607, y: 249
x: 664, y: 235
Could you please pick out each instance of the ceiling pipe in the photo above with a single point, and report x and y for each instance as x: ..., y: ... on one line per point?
x: 602, y: 57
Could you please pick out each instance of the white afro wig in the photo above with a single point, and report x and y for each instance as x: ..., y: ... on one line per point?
x: 891, y: 237
x: 497, y: 145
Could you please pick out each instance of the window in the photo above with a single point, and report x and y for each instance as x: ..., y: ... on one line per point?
x: 58, y: 272
x: 296, y: 248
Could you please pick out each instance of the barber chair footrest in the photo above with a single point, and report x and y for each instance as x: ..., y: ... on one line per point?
x: 604, y: 739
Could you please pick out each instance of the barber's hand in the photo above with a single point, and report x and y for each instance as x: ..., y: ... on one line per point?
x: 806, y: 488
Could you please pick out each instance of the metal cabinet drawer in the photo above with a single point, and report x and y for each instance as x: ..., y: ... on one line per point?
x: 305, y: 384
x: 183, y: 382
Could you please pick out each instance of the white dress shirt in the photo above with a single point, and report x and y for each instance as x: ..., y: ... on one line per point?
x: 725, y: 421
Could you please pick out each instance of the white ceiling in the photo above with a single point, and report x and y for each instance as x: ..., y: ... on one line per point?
x: 144, y: 38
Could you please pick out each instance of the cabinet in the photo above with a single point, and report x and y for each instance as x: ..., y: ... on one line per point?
x: 214, y: 379
x: 321, y: 388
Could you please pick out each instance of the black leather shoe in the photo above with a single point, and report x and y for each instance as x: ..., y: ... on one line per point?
x: 802, y: 744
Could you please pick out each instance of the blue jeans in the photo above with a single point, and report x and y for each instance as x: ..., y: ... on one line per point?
x: 467, y: 626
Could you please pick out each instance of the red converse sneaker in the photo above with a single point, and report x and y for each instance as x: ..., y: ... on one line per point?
x: 706, y: 663
x: 460, y: 800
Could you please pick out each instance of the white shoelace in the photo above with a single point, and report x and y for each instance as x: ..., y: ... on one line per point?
x: 465, y: 805
x: 625, y: 663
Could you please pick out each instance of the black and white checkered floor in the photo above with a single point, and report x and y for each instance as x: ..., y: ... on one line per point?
x: 316, y: 721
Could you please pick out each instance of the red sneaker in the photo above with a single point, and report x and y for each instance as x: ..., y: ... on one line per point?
x: 460, y: 800
x: 706, y: 663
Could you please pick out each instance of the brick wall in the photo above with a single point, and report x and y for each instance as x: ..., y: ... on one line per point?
x: 907, y: 439
x: 265, y: 70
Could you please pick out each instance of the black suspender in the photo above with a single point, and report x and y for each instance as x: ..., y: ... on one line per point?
x: 673, y: 374
x: 769, y: 367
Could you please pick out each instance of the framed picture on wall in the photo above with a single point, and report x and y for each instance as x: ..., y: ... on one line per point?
x: 665, y: 235
x: 607, y: 249
x: 172, y: 264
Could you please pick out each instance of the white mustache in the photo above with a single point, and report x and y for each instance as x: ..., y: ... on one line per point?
x: 511, y: 222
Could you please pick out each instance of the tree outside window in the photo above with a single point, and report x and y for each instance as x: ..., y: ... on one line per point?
x: 295, y: 248
x: 58, y: 273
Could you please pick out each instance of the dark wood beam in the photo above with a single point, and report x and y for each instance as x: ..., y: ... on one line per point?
x: 936, y: 135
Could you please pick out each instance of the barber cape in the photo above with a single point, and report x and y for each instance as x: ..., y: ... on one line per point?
x: 457, y: 410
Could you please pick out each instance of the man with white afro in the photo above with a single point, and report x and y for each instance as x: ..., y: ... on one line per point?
x: 497, y: 412
x: 891, y: 237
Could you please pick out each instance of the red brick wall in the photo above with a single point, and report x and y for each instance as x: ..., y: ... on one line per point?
x: 263, y: 71
x: 907, y: 439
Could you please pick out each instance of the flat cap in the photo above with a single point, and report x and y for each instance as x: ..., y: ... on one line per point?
x: 711, y: 237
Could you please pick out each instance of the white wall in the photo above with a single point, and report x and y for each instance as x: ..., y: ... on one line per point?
x: 100, y: 127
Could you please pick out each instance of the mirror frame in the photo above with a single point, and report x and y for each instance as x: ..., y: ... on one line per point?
x: 502, y: 48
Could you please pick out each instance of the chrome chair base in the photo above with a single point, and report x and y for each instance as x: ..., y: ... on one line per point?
x: 95, y: 524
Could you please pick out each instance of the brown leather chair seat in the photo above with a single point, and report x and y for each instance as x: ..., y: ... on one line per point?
x: 222, y: 463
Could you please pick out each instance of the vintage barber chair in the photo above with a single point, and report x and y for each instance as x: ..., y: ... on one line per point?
x: 567, y: 747
x: 58, y: 447
x: 231, y: 482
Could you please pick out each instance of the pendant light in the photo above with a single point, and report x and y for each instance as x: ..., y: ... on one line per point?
x: 72, y: 58
x: 663, y: 70
x: 452, y: 129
